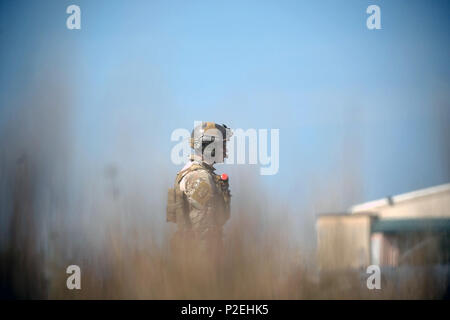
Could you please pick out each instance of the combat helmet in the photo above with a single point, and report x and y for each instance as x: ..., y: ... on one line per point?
x: 207, y: 132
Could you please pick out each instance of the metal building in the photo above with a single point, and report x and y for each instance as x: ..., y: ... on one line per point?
x: 407, y: 229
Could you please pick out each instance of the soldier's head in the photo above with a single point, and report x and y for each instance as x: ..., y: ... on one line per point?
x: 209, y: 140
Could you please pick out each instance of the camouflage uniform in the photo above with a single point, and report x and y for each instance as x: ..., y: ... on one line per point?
x: 206, y: 206
x: 199, y: 203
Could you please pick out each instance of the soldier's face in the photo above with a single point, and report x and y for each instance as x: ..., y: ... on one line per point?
x: 216, y: 151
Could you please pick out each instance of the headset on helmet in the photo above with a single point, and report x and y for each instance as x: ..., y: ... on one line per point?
x: 208, y: 132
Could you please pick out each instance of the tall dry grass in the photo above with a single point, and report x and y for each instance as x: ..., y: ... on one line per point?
x: 56, y: 211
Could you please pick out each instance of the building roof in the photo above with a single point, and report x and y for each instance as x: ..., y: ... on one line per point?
x: 392, y: 200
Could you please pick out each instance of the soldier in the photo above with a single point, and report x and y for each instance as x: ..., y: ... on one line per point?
x: 199, y: 203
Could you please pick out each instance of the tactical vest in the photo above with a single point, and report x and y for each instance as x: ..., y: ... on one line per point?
x: 177, y: 210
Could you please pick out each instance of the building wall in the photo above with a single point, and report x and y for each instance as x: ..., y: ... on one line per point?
x: 385, y: 251
x: 343, y: 241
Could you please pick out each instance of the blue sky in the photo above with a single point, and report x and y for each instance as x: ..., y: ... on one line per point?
x: 347, y: 100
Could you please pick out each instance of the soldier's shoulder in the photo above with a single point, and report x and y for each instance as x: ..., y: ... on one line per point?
x: 192, y: 178
x: 198, y: 186
x: 190, y: 172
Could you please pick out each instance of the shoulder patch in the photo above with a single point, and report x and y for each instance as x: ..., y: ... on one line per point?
x: 202, y: 192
